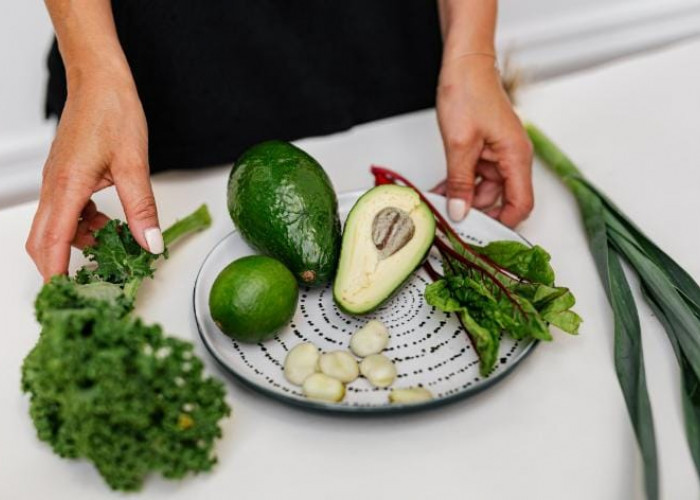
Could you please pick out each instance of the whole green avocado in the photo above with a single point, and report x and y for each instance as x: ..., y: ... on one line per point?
x: 284, y: 206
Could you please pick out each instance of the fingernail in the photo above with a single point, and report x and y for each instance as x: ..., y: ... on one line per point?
x: 154, y: 240
x: 456, y: 209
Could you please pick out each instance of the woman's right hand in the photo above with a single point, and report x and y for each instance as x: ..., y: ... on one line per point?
x: 101, y: 140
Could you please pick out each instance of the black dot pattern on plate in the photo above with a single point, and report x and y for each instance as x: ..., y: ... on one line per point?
x: 428, y: 347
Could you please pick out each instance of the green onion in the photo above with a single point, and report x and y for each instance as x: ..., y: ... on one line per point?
x: 670, y: 291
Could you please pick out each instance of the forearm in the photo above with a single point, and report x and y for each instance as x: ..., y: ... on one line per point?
x: 87, y: 39
x: 468, y: 26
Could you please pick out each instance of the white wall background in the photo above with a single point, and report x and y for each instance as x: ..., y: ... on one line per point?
x: 25, y: 31
x: 545, y: 37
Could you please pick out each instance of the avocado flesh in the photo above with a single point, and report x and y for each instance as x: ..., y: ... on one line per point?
x: 365, y: 278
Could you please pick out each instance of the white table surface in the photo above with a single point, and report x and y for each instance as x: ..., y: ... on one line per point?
x: 556, y: 429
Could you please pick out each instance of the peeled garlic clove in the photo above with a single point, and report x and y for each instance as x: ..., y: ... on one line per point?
x: 339, y: 365
x: 301, y: 362
x: 410, y: 395
x: 324, y: 388
x: 378, y: 369
x: 372, y: 338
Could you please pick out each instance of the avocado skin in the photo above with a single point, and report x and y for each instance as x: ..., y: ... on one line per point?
x: 284, y: 206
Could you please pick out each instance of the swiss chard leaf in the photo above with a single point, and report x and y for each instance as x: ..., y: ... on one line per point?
x: 530, y: 263
x: 485, y: 341
x: 438, y: 294
x: 554, y: 305
x: 486, y: 313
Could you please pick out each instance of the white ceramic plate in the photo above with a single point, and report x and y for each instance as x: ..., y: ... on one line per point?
x: 428, y: 347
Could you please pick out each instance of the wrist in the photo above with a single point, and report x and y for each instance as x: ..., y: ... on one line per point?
x: 460, y: 46
x: 88, y: 70
x: 468, y: 26
x: 88, y: 42
x: 470, y: 66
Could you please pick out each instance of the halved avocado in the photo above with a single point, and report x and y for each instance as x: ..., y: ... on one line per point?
x: 387, y: 235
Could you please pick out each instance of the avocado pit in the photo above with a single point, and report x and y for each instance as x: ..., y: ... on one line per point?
x: 392, y: 229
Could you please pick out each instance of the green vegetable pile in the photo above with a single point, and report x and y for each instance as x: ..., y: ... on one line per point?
x: 503, y: 287
x: 670, y: 291
x: 105, y: 386
x: 522, y: 301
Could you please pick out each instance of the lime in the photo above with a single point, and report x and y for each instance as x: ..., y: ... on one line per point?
x: 253, y: 298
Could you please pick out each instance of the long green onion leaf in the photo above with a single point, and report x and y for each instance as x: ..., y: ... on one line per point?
x: 690, y: 384
x: 629, y: 357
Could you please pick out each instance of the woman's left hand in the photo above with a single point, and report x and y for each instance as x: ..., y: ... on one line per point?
x: 489, y: 157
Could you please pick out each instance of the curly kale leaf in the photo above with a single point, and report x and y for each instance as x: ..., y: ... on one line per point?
x: 123, y: 395
x: 106, y: 387
x: 118, y: 257
x: 62, y: 293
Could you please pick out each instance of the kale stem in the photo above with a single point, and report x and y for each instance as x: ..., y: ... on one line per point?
x: 131, y: 288
x: 198, y: 220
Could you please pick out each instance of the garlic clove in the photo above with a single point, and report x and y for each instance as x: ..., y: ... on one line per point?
x: 301, y: 362
x: 372, y: 338
x: 324, y: 388
x: 378, y: 369
x: 340, y: 365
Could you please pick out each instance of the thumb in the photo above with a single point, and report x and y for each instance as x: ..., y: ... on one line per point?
x: 133, y: 185
x: 462, y: 157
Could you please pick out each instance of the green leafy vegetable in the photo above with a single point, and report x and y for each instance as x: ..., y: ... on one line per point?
x: 503, y: 287
x: 106, y: 387
x: 671, y: 292
x: 531, y: 263
x: 120, y: 258
x: 122, y: 261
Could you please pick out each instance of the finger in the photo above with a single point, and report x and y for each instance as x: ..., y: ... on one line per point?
x: 33, y: 240
x: 489, y: 154
x: 487, y: 193
x: 518, y: 196
x: 62, y: 200
x: 96, y: 219
x: 488, y: 170
x: 133, y: 185
x: 462, y: 156
x: 90, y: 221
x: 440, y: 188
x: 103, y: 183
x: 494, y: 212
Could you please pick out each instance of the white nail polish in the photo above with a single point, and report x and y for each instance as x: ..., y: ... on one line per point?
x: 456, y: 209
x: 154, y: 239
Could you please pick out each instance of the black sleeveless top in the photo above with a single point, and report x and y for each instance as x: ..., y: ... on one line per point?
x: 217, y: 76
